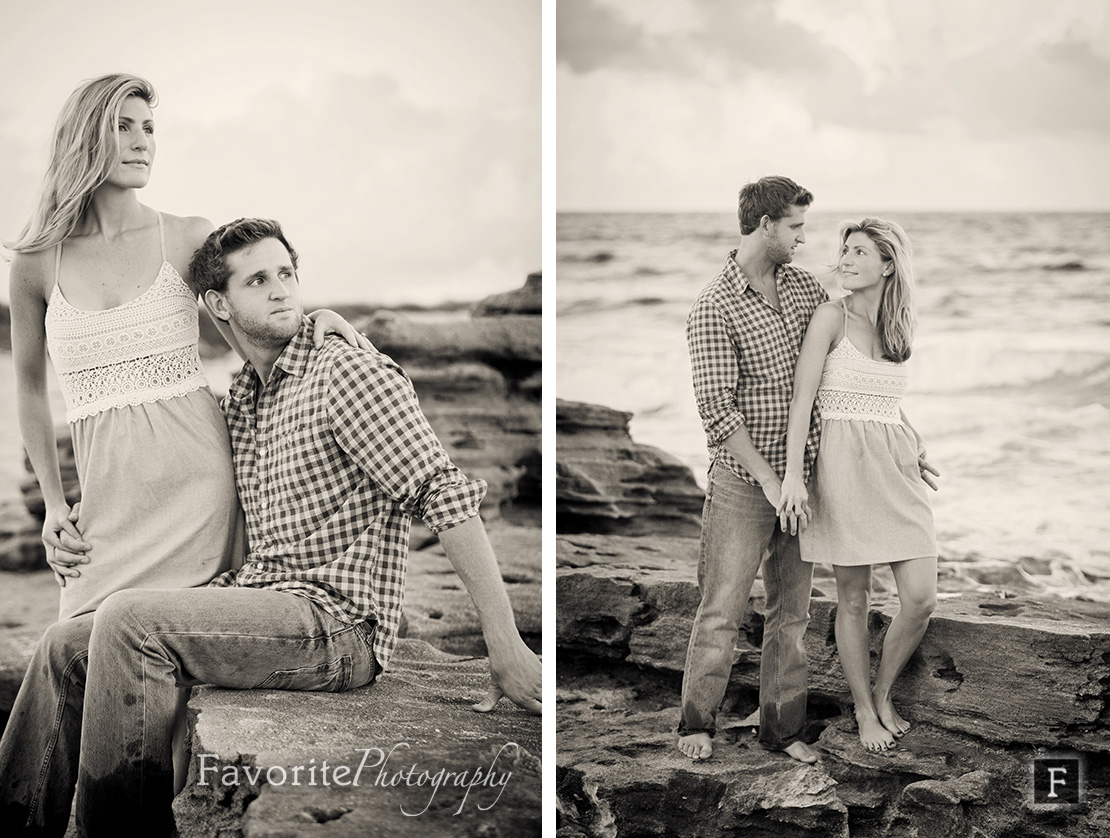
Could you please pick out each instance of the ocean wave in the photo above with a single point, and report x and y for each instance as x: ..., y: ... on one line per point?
x: 599, y: 257
x: 1080, y: 372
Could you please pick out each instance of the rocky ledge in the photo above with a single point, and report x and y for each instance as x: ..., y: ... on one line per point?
x: 998, y: 681
x: 404, y: 756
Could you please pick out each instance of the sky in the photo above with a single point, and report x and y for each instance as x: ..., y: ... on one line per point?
x: 398, y: 143
x: 672, y: 105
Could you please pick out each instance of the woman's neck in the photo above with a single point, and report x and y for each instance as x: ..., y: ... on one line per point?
x: 112, y: 212
x: 866, y: 303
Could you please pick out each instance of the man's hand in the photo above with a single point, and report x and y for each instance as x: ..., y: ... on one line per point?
x: 926, y: 469
x: 516, y: 674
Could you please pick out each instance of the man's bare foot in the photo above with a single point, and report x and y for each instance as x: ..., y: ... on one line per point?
x: 802, y: 752
x: 888, y: 716
x: 872, y: 735
x: 697, y: 746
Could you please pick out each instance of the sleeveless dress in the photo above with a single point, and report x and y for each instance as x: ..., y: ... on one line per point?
x: 867, y: 499
x: 158, y: 500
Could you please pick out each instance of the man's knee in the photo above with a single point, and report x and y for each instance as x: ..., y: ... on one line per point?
x: 123, y: 612
x: 63, y: 644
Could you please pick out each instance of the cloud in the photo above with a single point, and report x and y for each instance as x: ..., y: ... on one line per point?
x: 936, y: 100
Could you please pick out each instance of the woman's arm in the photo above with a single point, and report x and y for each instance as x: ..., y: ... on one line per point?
x: 822, y: 333
x: 27, y: 294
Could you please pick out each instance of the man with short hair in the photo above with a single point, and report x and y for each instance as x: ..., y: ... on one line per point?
x: 332, y: 459
x: 744, y: 333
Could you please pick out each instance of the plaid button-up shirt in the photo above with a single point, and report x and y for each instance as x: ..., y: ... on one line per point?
x: 743, y: 354
x: 332, y: 458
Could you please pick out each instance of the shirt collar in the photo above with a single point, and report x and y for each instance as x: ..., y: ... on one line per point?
x: 293, y: 360
x: 783, y: 273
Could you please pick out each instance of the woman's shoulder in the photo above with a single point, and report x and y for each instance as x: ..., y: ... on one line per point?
x: 184, y: 234
x: 33, y: 271
x: 831, y: 312
x: 191, y: 228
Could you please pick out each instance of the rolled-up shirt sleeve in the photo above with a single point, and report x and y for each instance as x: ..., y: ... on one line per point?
x: 716, y: 371
x: 377, y: 420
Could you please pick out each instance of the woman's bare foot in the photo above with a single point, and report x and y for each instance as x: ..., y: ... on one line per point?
x: 888, y: 716
x: 802, y: 752
x: 872, y: 735
x: 697, y: 746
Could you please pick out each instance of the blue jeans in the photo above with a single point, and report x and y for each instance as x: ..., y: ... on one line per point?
x: 96, y: 707
x: 738, y: 526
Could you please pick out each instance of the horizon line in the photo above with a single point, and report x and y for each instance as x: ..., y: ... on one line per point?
x: 853, y: 210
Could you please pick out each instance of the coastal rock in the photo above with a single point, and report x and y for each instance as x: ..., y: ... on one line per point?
x: 526, y: 300
x: 998, y: 679
x: 634, y: 599
x: 21, y: 545
x: 606, y: 483
x: 406, y: 732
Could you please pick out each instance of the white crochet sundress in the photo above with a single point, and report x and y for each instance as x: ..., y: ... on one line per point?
x: 158, y: 500
x: 868, y: 503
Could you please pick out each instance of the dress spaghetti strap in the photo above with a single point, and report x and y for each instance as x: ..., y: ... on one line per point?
x: 57, y: 263
x: 162, y: 236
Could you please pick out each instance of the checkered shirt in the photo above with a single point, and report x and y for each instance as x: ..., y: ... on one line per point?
x: 743, y: 354
x: 332, y: 460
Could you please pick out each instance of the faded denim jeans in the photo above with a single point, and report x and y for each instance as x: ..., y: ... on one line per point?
x: 96, y: 708
x: 738, y: 526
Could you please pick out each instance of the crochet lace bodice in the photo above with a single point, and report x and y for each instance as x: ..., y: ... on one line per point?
x: 854, y: 386
x: 140, y: 352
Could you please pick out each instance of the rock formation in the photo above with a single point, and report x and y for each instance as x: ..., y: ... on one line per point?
x: 998, y: 680
x: 606, y: 483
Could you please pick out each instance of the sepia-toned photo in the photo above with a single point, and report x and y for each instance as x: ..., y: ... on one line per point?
x: 832, y: 418
x: 272, y: 373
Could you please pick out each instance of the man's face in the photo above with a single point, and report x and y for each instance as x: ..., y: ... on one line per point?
x: 263, y: 296
x: 785, y: 235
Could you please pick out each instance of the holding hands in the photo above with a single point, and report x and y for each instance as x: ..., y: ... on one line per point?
x: 793, y: 504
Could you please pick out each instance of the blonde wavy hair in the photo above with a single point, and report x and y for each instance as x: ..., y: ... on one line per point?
x: 85, y: 149
x: 897, y: 308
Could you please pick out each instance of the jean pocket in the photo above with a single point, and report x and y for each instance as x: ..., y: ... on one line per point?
x: 333, y: 676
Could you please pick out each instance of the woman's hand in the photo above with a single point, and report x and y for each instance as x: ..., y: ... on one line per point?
x: 65, y: 548
x: 325, y: 321
x: 793, y: 505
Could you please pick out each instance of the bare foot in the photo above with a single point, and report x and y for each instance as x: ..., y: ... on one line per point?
x: 802, y: 752
x: 872, y: 735
x: 889, y: 717
x: 697, y: 746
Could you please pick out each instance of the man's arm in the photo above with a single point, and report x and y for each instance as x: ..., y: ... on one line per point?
x: 514, y: 668
x: 716, y: 371
x: 376, y: 418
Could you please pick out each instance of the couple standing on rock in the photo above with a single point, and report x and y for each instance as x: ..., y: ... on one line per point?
x: 765, y: 343
x: 323, y: 443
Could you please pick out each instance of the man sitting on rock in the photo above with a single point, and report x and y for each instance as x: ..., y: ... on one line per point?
x: 332, y: 457
x: 744, y: 334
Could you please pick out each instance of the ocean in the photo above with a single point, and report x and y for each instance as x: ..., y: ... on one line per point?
x: 1009, y: 378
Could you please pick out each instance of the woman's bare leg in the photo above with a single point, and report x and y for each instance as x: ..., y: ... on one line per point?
x: 853, y: 592
x: 917, y: 597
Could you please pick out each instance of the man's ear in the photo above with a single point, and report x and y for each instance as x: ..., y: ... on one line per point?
x: 217, y: 304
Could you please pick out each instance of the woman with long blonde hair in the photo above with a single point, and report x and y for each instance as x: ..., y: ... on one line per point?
x: 102, y: 283
x: 867, y: 503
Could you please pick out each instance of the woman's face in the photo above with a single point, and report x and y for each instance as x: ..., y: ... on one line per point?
x: 135, y: 133
x: 861, y: 266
